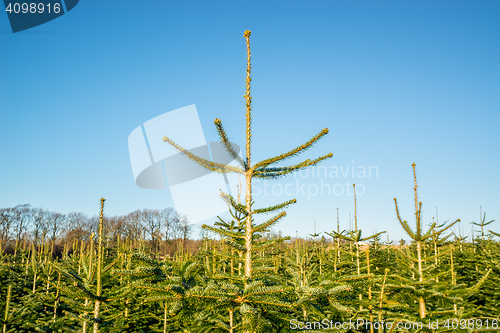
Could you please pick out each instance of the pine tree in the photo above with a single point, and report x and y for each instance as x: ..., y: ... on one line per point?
x: 435, y: 299
x: 92, y: 286
x: 253, y: 292
x: 483, y: 224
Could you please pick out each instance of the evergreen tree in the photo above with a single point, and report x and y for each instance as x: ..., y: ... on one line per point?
x: 88, y: 291
x: 433, y: 299
x: 252, y: 293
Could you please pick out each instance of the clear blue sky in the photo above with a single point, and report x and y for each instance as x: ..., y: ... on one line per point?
x: 396, y: 82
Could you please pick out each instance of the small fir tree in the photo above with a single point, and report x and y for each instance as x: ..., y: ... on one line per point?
x: 251, y: 293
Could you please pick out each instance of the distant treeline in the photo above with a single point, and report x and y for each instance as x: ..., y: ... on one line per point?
x: 161, y: 230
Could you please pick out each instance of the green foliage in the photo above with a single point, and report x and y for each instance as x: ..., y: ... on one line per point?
x: 252, y: 281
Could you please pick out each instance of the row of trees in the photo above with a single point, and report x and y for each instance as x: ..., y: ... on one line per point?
x: 24, y: 223
x: 250, y: 283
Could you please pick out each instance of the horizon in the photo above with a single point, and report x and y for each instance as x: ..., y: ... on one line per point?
x: 395, y: 83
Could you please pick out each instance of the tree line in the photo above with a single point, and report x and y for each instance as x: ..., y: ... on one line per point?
x: 160, y: 229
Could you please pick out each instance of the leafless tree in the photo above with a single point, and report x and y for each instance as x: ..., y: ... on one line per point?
x: 39, y: 222
x: 180, y: 227
x: 56, y: 225
x: 41, y: 225
x: 6, y: 220
x: 169, y: 219
x: 152, y: 221
x: 184, y: 227
x: 133, y: 225
x: 21, y: 215
x: 175, y: 227
x: 78, y: 226
x: 115, y: 226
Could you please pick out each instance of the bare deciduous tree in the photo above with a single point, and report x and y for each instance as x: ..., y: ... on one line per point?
x: 21, y: 215
x: 5, y: 225
x: 39, y: 222
x: 169, y: 218
x: 133, y: 226
x: 184, y: 228
x: 78, y: 227
x: 152, y: 221
x: 56, y: 225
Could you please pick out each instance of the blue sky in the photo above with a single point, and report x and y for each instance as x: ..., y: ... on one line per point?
x: 396, y: 82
